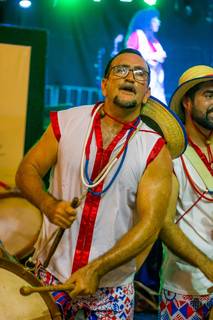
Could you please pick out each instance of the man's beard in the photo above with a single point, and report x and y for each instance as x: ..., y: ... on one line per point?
x: 204, y: 121
x: 124, y: 104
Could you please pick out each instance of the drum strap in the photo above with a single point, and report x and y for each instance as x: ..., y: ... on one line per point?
x: 6, y: 254
x: 200, y: 167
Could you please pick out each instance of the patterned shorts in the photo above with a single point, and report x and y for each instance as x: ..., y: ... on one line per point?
x: 115, y: 303
x: 180, y: 307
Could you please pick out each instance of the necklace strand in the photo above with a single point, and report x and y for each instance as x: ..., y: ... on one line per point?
x: 104, y: 172
x: 130, y: 125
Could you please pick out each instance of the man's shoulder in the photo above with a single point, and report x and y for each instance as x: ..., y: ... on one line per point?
x: 77, y: 109
x: 151, y: 132
x: 67, y: 117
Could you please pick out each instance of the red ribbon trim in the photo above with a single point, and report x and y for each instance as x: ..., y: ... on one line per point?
x: 92, y: 202
x: 155, y: 150
x: 55, y: 124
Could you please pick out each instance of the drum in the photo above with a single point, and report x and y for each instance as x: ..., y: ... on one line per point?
x: 14, y: 306
x: 20, y: 223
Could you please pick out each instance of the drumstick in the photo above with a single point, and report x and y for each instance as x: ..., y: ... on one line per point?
x: 210, y: 290
x: 26, y: 290
x: 75, y: 203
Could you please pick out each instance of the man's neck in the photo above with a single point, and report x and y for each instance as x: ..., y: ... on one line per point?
x: 123, y: 115
x: 113, y: 119
x: 197, y: 133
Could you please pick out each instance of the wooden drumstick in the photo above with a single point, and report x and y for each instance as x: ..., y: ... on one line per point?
x: 27, y: 290
x: 210, y: 290
x: 75, y: 203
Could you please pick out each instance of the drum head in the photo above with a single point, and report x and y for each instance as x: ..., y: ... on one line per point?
x: 20, y: 224
x: 13, y: 305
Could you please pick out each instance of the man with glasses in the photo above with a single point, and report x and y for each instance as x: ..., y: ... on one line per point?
x: 120, y: 171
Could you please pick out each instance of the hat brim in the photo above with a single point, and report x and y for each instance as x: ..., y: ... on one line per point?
x: 175, y: 102
x: 169, y: 123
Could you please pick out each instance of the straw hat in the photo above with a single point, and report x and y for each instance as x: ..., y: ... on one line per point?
x: 189, y: 79
x: 159, y: 117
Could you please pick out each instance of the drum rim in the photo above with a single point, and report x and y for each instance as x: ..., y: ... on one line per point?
x: 9, y: 194
x: 20, y: 271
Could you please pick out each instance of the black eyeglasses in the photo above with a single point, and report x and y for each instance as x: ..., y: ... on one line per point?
x: 121, y: 71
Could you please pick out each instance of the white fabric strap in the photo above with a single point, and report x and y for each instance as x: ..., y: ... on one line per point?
x: 200, y: 167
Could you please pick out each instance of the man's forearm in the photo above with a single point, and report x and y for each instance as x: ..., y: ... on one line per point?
x: 127, y: 248
x: 87, y: 278
x: 32, y: 186
x: 151, y: 203
x: 180, y: 245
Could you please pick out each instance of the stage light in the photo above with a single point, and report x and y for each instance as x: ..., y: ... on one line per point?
x: 25, y: 3
x: 209, y: 13
x: 150, y: 2
x: 126, y: 0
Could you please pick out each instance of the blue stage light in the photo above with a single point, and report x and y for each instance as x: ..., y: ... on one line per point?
x: 25, y: 3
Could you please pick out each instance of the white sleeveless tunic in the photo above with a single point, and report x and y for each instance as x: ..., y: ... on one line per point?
x: 116, y: 209
x: 197, y: 224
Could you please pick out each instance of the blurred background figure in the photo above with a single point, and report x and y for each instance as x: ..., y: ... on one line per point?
x: 141, y: 35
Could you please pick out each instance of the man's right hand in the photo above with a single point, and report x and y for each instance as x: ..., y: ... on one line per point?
x: 84, y: 281
x: 59, y: 212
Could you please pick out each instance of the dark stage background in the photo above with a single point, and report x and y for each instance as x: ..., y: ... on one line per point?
x: 82, y: 36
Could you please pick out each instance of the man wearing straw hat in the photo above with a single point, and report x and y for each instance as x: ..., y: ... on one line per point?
x: 188, y: 270
x: 118, y: 172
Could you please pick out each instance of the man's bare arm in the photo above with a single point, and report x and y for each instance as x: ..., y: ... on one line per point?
x: 36, y: 163
x: 176, y: 240
x: 152, y: 200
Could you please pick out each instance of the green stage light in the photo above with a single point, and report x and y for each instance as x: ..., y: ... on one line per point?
x: 150, y: 2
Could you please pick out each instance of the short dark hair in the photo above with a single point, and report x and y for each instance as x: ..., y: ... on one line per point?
x: 191, y: 92
x: 126, y: 50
